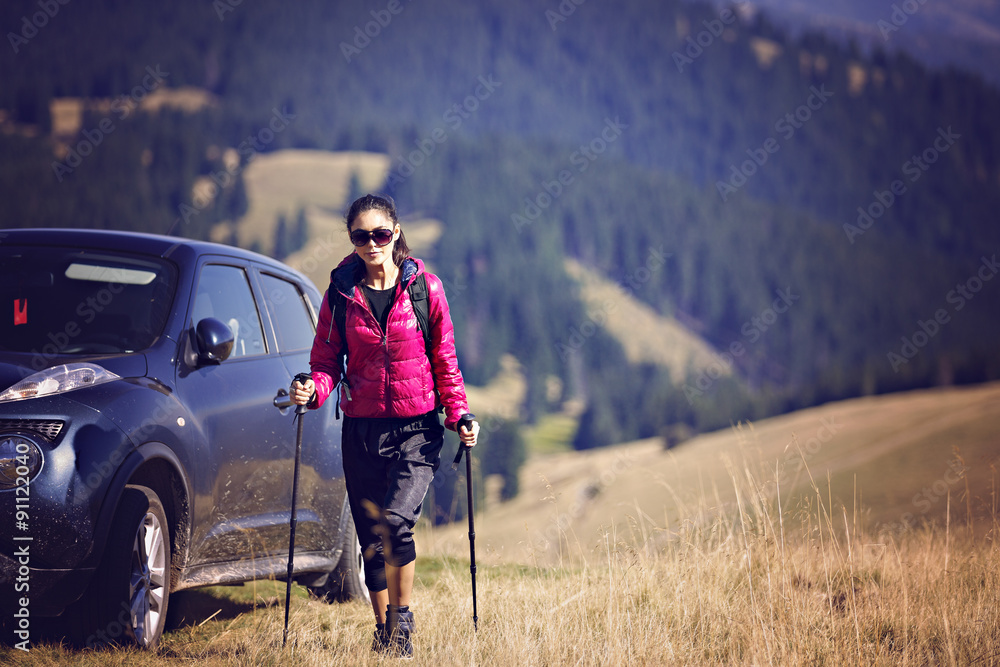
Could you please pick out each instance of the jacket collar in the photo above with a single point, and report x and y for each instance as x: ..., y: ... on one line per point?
x: 411, y: 267
x: 351, y: 270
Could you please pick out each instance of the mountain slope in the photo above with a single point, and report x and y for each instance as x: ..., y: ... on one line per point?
x: 534, y: 140
x: 961, y: 33
x: 893, y: 462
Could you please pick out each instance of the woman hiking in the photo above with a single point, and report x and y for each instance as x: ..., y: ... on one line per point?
x: 396, y: 378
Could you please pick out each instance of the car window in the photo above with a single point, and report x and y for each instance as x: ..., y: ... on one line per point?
x: 224, y: 293
x: 292, y: 323
x: 73, y: 301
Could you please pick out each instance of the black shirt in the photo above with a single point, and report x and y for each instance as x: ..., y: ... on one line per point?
x: 380, y: 301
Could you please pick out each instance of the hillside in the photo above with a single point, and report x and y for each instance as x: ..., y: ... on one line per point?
x: 962, y: 33
x: 319, y: 182
x: 893, y: 462
x: 645, y: 335
x: 814, y: 204
x: 283, y: 182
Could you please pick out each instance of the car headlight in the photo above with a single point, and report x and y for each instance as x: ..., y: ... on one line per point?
x: 20, y: 458
x: 58, y: 380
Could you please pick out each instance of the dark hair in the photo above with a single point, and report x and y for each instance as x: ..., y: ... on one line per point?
x: 384, y: 204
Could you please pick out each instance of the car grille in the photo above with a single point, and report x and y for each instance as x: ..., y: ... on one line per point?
x: 48, y: 428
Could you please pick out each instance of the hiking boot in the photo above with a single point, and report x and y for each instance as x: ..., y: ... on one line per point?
x: 380, y: 644
x: 398, y: 626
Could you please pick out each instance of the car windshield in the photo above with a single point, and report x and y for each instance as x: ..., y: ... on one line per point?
x: 71, y: 301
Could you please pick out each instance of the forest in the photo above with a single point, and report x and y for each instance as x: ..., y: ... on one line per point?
x: 825, y: 218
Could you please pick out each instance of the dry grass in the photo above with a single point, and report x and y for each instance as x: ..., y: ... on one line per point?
x: 758, y: 586
x: 737, y: 570
x: 891, y: 456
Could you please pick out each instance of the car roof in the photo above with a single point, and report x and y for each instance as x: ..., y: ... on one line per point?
x: 138, y: 242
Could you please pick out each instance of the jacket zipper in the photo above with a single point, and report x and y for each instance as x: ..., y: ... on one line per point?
x: 400, y: 290
x: 384, y: 343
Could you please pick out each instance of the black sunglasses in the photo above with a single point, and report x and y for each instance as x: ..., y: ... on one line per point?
x: 361, y: 237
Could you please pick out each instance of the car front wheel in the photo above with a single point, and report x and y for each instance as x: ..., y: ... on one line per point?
x: 127, y: 600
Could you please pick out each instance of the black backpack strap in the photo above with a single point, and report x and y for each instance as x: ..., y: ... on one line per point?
x: 421, y: 308
x: 338, y: 309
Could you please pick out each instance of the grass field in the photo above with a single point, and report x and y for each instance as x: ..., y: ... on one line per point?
x: 636, y: 555
x: 895, y: 459
x: 283, y: 181
x: 755, y: 592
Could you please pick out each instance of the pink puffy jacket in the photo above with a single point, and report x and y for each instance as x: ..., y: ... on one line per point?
x: 389, y: 374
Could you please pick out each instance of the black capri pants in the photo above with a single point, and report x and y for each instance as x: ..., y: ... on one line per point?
x: 388, y: 466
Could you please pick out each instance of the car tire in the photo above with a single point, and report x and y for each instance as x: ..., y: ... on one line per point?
x: 126, y: 603
x: 346, y: 581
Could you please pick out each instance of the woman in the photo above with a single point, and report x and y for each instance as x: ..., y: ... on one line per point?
x: 392, y: 435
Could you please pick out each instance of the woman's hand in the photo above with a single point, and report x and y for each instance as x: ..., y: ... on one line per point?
x: 303, y: 393
x: 468, y: 437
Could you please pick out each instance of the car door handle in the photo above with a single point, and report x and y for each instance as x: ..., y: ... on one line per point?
x: 283, y: 399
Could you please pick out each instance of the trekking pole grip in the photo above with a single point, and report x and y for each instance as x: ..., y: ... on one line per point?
x: 465, y: 420
x: 302, y: 378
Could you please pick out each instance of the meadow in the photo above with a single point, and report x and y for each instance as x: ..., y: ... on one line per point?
x: 743, y: 573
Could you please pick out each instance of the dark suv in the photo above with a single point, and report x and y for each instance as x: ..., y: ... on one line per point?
x: 140, y: 449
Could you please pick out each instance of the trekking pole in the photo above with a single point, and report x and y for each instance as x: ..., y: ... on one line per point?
x: 285, y: 402
x: 466, y: 421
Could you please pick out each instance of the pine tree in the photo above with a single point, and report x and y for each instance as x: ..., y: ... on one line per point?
x: 353, y: 188
x: 280, y: 249
x: 300, y: 233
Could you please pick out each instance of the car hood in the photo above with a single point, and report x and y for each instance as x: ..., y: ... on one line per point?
x: 15, y: 366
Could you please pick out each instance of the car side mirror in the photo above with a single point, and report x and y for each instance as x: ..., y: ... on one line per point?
x: 214, y: 340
